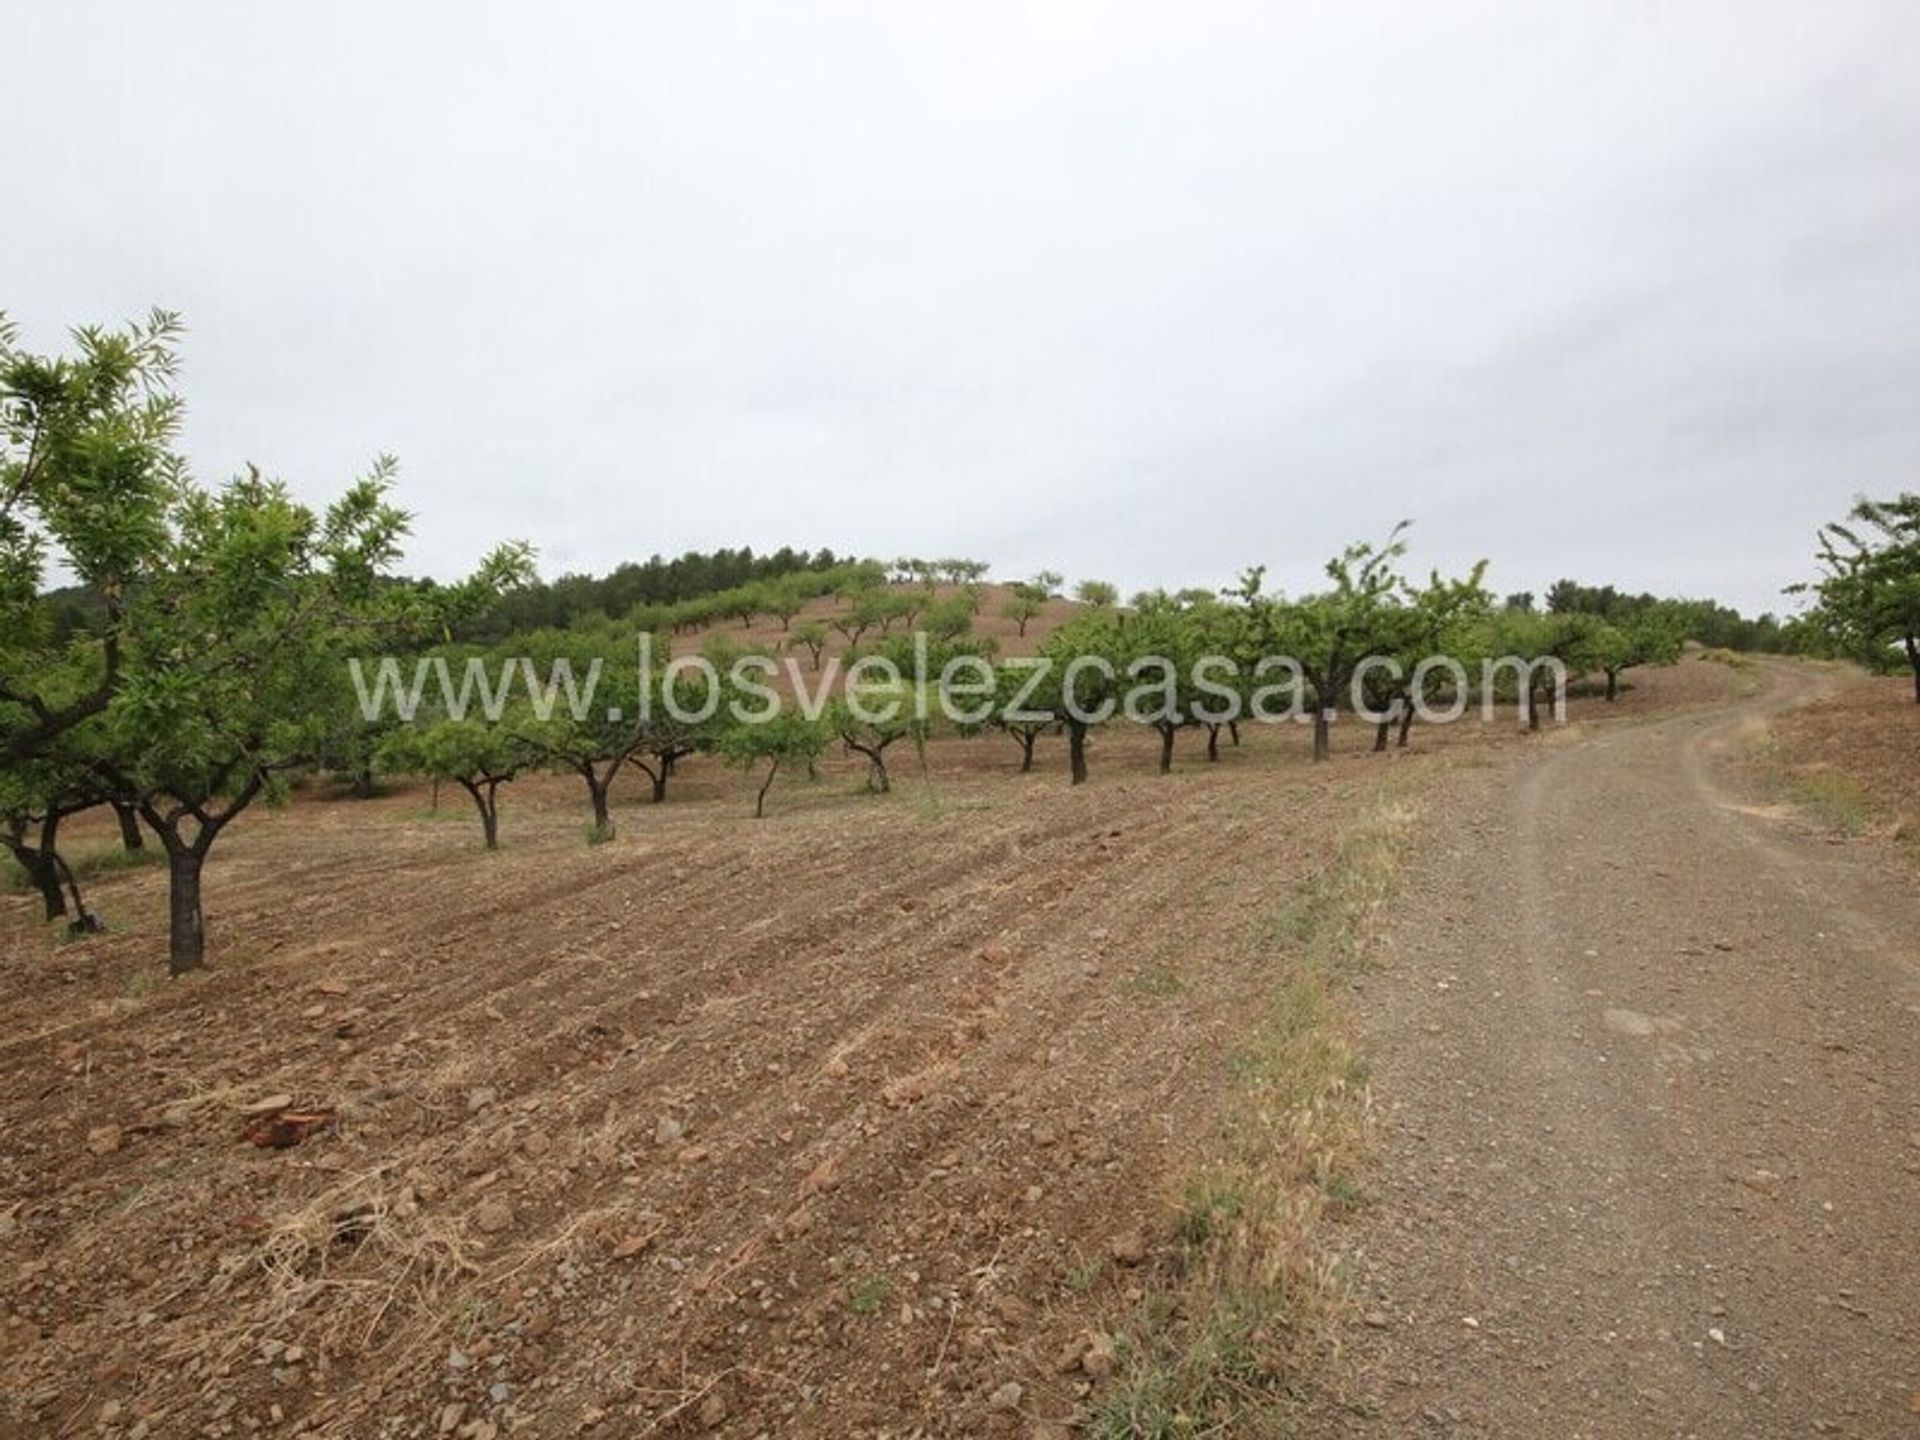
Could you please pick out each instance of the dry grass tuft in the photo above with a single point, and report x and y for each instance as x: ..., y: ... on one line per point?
x: 1216, y: 1349
x: 376, y: 1251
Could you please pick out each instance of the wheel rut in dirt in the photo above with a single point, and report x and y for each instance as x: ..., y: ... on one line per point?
x: 1649, y: 1054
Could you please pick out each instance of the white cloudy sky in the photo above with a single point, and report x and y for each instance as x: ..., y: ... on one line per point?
x: 1624, y: 291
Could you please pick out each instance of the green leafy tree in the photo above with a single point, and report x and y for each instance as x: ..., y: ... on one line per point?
x: 949, y: 619
x: 210, y: 664
x: 1437, y: 619
x: 783, y: 600
x: 1869, y: 593
x: 783, y: 741
x: 589, y: 728
x: 680, y: 720
x: 476, y: 754
x: 36, y: 796
x: 1617, y: 647
x: 1539, y: 649
x: 1330, y: 633
x: 236, y: 655
x: 871, y: 718
x: 1024, y: 605
x: 1097, y: 594
x: 87, y: 473
x: 811, y: 636
x: 1025, y: 725
x: 1089, y: 655
x: 1160, y: 644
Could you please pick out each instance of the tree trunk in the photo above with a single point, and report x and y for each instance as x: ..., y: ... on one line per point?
x: 877, y: 781
x: 186, y: 928
x: 84, y: 921
x: 1913, y: 659
x: 487, y: 801
x: 1166, y: 746
x: 46, y: 869
x: 363, y: 783
x: 1406, y: 725
x: 45, y: 876
x: 1077, y: 751
x: 1613, y: 684
x: 1380, y: 733
x: 602, y: 817
x: 1533, y: 708
x: 760, y: 800
x: 1213, y: 742
x: 1233, y: 733
x: 131, y: 835
x: 659, y: 779
x: 1026, y: 739
x: 1322, y: 736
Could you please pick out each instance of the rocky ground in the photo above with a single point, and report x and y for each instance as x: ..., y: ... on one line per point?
x: 865, y: 1119
x: 1647, y: 1044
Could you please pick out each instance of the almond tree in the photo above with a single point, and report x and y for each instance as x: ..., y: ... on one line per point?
x: 1026, y: 725
x: 1617, y: 647
x: 215, y: 664
x: 595, y: 733
x: 87, y: 472
x: 1869, y: 595
x: 811, y: 636
x: 476, y: 754
x: 1332, y: 632
x: 869, y: 719
x: 780, y: 742
x: 1541, y: 647
x: 1158, y: 677
x: 1024, y: 605
x: 675, y: 724
x: 35, y: 798
x: 235, y: 669
x: 1089, y: 655
x: 1436, y: 619
x: 1097, y: 594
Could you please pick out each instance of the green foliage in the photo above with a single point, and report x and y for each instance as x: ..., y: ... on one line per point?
x: 648, y: 592
x: 210, y: 663
x: 1097, y: 594
x: 787, y: 739
x: 1023, y: 606
x: 1706, y: 621
x: 1331, y: 632
x: 870, y: 718
x: 1869, y: 592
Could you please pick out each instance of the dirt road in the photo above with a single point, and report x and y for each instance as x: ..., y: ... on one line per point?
x: 1649, y: 1053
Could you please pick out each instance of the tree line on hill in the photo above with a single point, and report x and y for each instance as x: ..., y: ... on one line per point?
x: 199, y: 664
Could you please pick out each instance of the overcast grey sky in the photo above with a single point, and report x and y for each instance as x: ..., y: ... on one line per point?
x: 1627, y: 292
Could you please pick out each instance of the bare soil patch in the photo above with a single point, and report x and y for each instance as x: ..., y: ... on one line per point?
x: 1857, y: 747
x: 850, y: 1121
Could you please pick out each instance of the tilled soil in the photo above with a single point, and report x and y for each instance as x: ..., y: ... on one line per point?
x: 853, y: 1121
x: 1648, y: 1045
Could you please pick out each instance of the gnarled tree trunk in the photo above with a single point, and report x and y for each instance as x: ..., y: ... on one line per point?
x: 186, y: 923
x: 131, y: 835
x: 1026, y: 739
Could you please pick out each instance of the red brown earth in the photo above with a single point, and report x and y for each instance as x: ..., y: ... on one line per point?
x: 1646, y: 1043
x: 847, y: 1122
